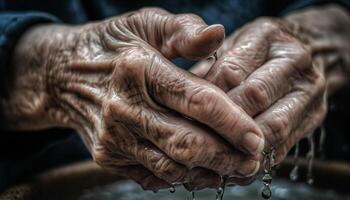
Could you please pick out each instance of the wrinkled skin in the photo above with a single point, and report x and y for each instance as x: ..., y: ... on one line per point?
x: 144, y: 118
x: 277, y: 70
x: 138, y: 114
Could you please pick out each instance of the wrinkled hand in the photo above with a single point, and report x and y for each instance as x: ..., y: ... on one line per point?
x: 138, y: 114
x: 269, y: 72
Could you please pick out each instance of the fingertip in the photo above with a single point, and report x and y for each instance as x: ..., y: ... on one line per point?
x: 248, y: 168
x: 208, y: 40
x: 216, y: 30
x: 253, y: 143
x: 203, y: 43
x: 153, y: 183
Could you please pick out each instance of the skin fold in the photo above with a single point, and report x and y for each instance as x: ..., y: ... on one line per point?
x: 144, y: 118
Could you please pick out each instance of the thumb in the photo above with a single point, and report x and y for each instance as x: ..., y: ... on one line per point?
x: 190, y: 37
x: 183, y: 35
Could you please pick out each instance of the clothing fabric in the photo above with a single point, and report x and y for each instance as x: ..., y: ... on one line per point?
x: 24, y: 154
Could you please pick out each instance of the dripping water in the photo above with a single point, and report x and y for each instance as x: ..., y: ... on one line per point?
x: 309, y: 157
x: 172, y: 189
x: 294, y: 174
x: 220, y: 191
x: 269, y: 160
x: 321, y: 141
x: 193, y: 195
x: 215, y: 55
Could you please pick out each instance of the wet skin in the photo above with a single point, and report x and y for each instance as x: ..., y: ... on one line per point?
x: 144, y: 118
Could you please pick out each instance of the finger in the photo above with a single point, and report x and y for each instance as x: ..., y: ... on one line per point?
x: 183, y: 35
x: 159, y: 164
x: 171, y: 132
x: 244, y: 53
x: 202, y: 68
x: 283, y: 117
x: 307, y: 126
x: 200, y: 178
x: 142, y: 176
x: 183, y: 141
x: 203, y: 102
x: 267, y: 84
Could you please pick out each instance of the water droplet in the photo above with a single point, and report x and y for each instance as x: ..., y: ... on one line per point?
x: 266, y: 192
x: 215, y: 56
x: 155, y: 191
x: 267, y: 179
x: 220, y: 191
x: 294, y: 174
x: 310, y: 180
x: 172, y: 189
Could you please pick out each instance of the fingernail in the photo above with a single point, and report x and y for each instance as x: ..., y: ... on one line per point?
x: 210, y: 27
x: 248, y: 168
x: 253, y: 143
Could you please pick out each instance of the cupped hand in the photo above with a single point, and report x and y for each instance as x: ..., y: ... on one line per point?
x: 268, y: 71
x: 138, y: 114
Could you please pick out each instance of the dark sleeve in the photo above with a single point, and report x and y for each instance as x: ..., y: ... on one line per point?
x: 12, y: 26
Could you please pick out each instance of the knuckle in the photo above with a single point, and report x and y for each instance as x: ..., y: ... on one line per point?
x: 202, y: 100
x: 165, y: 169
x: 268, y: 25
x: 278, y: 127
x: 257, y: 94
x: 303, y: 56
x: 135, y: 59
x: 162, y: 166
x: 115, y: 111
x: 186, y: 148
x: 232, y: 73
x: 321, y: 85
x: 99, y: 155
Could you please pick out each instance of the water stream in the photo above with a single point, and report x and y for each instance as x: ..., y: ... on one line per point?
x: 294, y: 174
x: 193, y: 195
x: 321, y: 142
x: 309, y: 157
x: 269, y: 161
